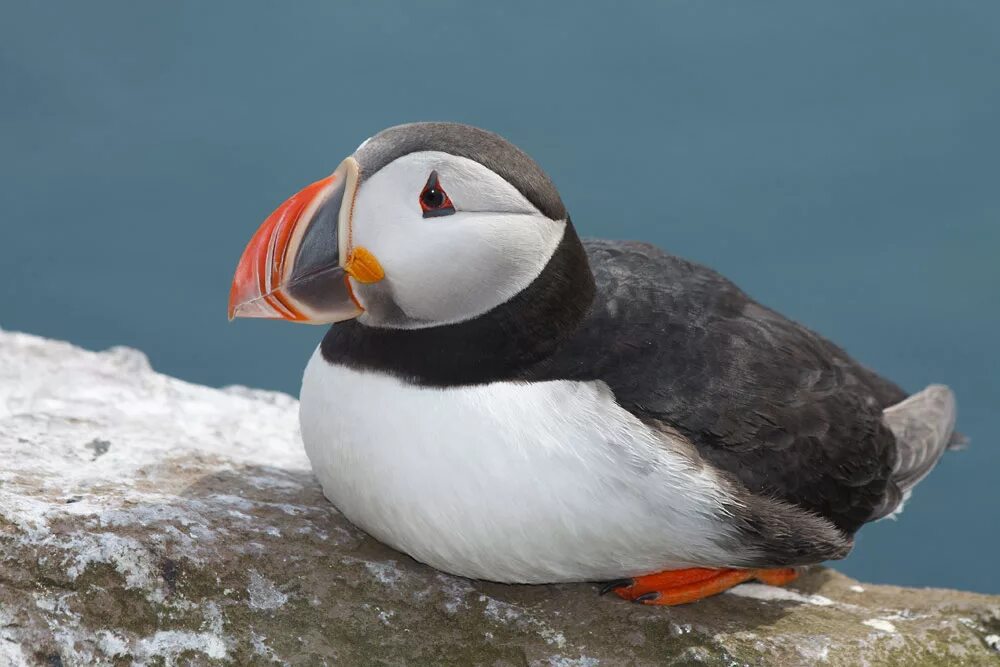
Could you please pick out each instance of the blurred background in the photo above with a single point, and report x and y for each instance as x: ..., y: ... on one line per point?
x: 839, y: 161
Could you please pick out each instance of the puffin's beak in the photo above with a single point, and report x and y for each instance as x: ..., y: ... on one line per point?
x: 299, y: 264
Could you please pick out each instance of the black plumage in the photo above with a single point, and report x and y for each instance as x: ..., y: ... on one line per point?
x: 783, y: 410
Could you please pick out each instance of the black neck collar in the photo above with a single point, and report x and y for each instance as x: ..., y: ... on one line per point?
x: 501, y: 344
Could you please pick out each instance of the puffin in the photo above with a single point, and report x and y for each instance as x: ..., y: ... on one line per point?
x: 503, y: 400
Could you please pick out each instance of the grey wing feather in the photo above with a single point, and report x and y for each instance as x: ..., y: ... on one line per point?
x: 924, y: 427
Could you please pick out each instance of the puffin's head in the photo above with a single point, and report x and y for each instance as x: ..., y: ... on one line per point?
x: 426, y: 224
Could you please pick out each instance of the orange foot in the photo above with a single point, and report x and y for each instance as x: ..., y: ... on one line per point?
x: 681, y: 586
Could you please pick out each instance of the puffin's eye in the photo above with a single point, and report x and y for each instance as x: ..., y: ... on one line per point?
x: 434, y: 201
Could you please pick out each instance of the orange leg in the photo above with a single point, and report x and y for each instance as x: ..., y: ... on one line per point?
x: 681, y: 586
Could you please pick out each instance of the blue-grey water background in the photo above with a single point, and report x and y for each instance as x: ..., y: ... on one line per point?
x: 839, y: 160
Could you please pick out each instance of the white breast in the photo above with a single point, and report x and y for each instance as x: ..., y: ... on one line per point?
x: 515, y: 482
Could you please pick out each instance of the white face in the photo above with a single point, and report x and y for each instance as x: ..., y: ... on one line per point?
x: 448, y: 268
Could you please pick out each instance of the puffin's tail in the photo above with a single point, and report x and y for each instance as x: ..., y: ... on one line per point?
x: 924, y: 426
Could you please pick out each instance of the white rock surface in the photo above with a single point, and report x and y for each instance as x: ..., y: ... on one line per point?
x: 146, y: 520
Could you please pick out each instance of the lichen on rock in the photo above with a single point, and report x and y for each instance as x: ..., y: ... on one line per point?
x: 145, y: 520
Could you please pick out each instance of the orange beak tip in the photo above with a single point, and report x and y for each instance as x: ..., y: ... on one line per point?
x: 273, y: 280
x: 256, y: 287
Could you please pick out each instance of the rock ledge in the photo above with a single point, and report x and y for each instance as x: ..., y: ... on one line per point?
x: 145, y: 520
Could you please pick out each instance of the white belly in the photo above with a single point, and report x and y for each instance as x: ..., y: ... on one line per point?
x: 514, y: 482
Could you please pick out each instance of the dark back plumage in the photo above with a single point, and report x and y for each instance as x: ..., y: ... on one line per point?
x: 783, y: 410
